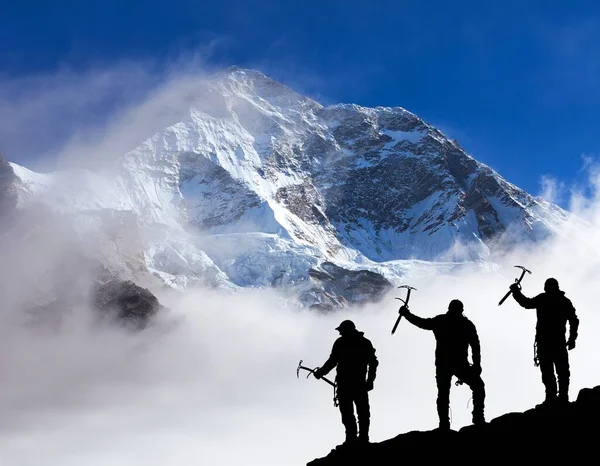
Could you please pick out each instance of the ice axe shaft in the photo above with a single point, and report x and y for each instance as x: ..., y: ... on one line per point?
x: 405, y: 301
x: 397, y: 321
x: 517, y: 281
x: 311, y: 371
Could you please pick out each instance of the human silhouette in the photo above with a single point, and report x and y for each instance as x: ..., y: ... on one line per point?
x: 454, y: 334
x: 355, y: 361
x: 553, y: 310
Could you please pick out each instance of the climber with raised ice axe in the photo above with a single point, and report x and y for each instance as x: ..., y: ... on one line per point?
x: 454, y: 334
x: 553, y: 310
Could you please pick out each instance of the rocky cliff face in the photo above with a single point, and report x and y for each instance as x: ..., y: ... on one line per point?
x: 332, y: 284
x: 539, y: 436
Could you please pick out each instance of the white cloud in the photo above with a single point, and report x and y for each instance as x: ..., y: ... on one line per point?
x: 220, y: 387
x: 80, y: 116
x: 552, y: 189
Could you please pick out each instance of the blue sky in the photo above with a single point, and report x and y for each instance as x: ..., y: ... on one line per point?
x: 517, y: 83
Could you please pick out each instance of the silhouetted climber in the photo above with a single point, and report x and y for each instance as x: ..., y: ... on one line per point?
x: 454, y: 333
x: 553, y: 310
x: 354, y: 358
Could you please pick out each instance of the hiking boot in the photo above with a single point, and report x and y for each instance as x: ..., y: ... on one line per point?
x: 478, y: 421
x: 363, y: 439
x: 350, y: 441
x: 346, y: 445
x: 547, y: 403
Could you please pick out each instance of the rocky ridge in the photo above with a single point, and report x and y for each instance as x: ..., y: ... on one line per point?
x: 553, y: 435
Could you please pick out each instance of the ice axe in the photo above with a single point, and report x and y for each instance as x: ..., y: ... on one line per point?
x: 312, y: 371
x: 405, y: 301
x: 517, y: 281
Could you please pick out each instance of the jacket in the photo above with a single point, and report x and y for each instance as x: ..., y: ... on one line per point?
x: 553, y: 311
x: 354, y: 358
x: 453, y: 334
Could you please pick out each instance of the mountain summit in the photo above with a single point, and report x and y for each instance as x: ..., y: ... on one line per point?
x: 260, y: 186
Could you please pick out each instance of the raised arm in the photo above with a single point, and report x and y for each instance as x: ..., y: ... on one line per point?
x: 425, y: 324
x: 524, y: 301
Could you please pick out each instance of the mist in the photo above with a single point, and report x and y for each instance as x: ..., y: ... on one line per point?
x: 213, y: 381
x: 86, y: 118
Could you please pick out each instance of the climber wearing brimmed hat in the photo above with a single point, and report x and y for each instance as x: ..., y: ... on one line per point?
x: 354, y: 358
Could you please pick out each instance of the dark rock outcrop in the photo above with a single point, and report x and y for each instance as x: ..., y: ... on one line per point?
x: 76, y: 281
x: 335, y: 287
x: 114, y: 301
x: 125, y: 302
x: 554, y: 435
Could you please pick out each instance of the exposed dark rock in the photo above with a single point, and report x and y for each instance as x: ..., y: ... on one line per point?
x: 335, y: 287
x: 198, y: 177
x: 565, y: 433
x: 459, y: 166
x: 488, y: 223
x: 304, y: 201
x: 321, y: 300
x: 115, y: 300
x: 125, y: 301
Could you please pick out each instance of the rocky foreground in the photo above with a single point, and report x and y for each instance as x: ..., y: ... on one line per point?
x: 555, y: 435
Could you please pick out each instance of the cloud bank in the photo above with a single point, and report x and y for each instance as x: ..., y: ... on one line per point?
x: 214, y: 382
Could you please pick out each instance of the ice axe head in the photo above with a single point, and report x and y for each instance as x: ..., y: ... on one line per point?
x: 522, y: 273
x: 517, y: 281
x: 308, y: 369
x: 409, y: 288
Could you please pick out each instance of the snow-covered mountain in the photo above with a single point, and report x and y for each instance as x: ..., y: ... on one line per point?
x: 261, y: 186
